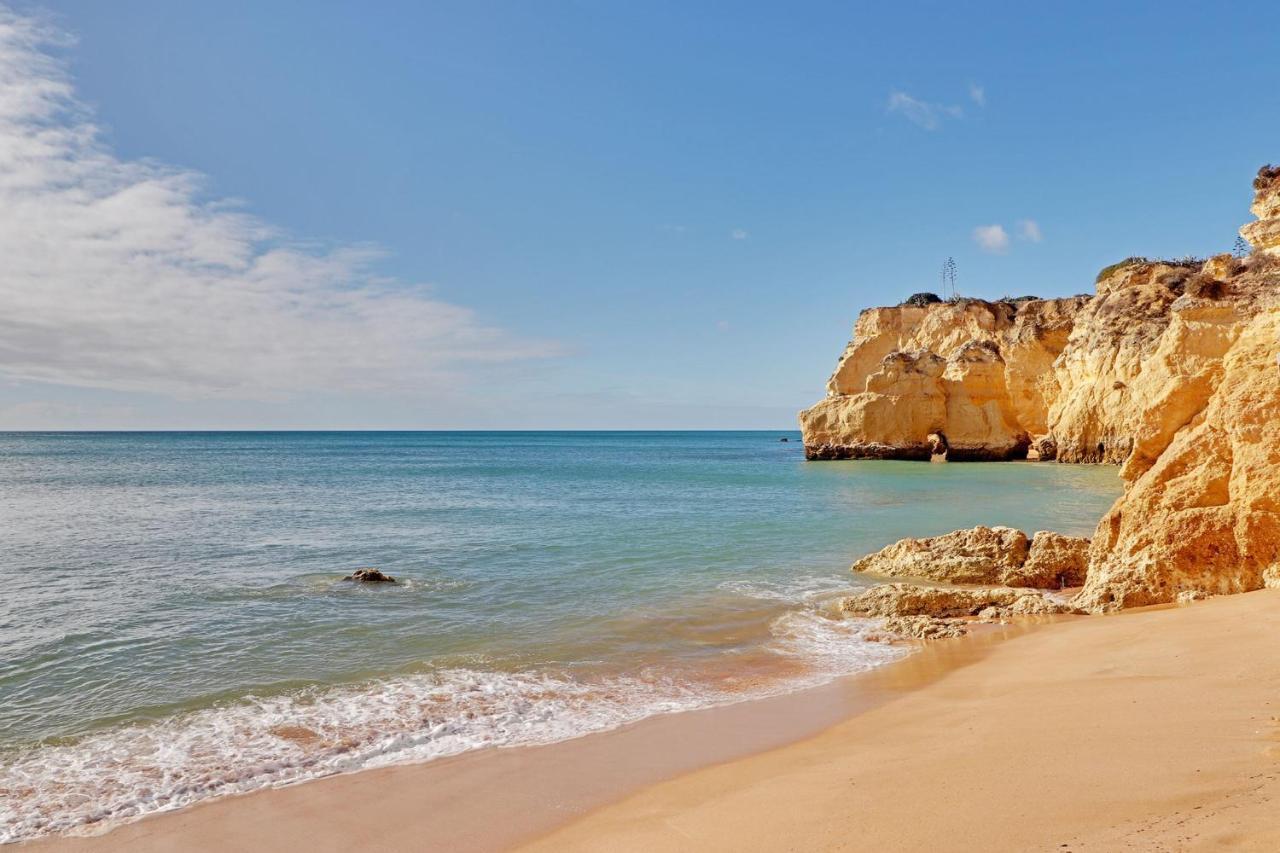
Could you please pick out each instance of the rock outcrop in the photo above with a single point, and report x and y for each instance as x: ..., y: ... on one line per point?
x: 1055, y: 561
x: 1201, y: 508
x: 1170, y: 370
x: 985, y: 555
x: 933, y: 612
x: 920, y: 628
x: 369, y: 576
x: 966, y: 379
x: 904, y: 599
x: 1264, y: 235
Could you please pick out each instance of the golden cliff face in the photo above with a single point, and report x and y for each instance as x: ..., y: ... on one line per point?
x: 1171, y: 369
x: 967, y: 378
x: 1201, y: 509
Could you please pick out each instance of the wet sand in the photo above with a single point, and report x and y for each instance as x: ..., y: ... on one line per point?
x: 496, y: 798
x: 1149, y: 730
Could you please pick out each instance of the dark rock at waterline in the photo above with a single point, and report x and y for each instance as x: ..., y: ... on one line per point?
x: 369, y: 576
x: 784, y: 439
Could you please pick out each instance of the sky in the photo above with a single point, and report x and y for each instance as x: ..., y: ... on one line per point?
x: 573, y: 215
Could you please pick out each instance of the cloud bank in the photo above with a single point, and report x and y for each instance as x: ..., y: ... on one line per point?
x: 123, y: 275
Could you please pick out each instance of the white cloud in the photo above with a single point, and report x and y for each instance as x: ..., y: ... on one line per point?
x: 926, y: 115
x: 992, y: 238
x: 738, y: 234
x: 977, y: 94
x: 1029, y: 229
x: 119, y: 274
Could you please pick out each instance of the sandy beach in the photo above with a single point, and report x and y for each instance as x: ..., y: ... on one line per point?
x: 612, y: 427
x: 1149, y: 730
x: 1154, y: 730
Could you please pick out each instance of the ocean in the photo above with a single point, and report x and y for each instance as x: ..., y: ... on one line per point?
x: 174, y: 627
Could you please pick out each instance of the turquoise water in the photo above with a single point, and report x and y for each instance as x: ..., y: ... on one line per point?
x: 173, y: 625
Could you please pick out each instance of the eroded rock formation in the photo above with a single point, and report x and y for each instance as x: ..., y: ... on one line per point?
x: 985, y: 555
x: 935, y: 612
x: 1201, y: 509
x: 965, y: 378
x: 1171, y: 369
x: 1264, y: 235
x: 904, y: 599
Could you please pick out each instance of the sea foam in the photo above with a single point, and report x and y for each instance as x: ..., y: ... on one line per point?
x: 130, y: 771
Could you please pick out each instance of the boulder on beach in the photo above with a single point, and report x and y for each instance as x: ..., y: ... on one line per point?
x: 985, y: 555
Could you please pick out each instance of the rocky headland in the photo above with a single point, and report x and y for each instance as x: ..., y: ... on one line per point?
x: 1171, y: 370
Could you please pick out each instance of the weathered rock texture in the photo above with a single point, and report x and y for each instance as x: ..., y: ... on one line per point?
x: 920, y: 628
x: 1264, y: 235
x: 985, y: 555
x: 932, y: 613
x: 970, y: 379
x: 1170, y: 369
x: 904, y: 599
x: 1201, y: 509
x: 1056, y: 561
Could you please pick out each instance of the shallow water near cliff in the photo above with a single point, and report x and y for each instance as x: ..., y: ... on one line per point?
x: 174, y: 626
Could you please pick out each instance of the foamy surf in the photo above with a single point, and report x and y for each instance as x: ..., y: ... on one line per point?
x: 128, y: 772
x: 805, y: 589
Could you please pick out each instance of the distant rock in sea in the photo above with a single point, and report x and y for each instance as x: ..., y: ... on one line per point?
x: 369, y: 576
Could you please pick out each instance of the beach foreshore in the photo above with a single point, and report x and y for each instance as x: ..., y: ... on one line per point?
x: 1156, y: 729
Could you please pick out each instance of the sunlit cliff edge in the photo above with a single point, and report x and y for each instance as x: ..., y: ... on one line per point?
x: 1170, y: 370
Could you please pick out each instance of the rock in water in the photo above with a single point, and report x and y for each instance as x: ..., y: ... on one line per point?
x: 369, y: 576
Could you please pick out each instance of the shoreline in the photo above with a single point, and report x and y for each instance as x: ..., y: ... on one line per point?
x: 535, y: 789
x: 1150, y: 729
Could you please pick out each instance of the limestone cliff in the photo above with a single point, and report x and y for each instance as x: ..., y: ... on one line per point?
x: 1170, y: 369
x: 971, y: 378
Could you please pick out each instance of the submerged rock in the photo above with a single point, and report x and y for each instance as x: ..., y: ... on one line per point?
x: 369, y: 576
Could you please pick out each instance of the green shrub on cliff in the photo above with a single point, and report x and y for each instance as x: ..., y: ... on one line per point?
x: 920, y: 300
x: 1267, y: 175
x: 1130, y: 261
x: 1185, y: 262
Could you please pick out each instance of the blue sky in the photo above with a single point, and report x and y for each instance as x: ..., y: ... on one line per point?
x: 619, y: 215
